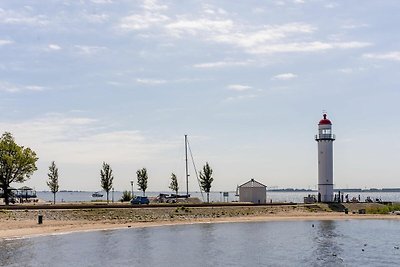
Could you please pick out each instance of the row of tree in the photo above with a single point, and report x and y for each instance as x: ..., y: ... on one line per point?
x: 18, y: 163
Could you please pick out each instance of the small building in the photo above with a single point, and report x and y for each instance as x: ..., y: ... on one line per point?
x: 253, y: 191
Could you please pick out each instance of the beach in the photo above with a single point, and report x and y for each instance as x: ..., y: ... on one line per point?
x: 24, y: 223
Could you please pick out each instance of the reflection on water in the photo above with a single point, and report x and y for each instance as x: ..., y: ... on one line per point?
x: 327, y: 251
x: 288, y: 243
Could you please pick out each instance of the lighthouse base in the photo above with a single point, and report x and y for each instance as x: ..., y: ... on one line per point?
x: 325, y: 192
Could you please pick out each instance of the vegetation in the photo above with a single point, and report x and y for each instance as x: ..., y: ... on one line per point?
x: 206, y: 180
x: 382, y: 209
x: 17, y: 164
x: 142, y: 180
x: 126, y: 196
x: 53, y: 180
x: 174, y: 184
x: 106, y: 178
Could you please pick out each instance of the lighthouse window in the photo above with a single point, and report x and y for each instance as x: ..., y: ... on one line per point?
x: 326, y: 131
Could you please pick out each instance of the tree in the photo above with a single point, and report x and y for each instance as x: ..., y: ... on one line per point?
x: 142, y: 179
x: 206, y: 180
x: 106, y: 178
x: 53, y: 179
x: 174, y: 184
x: 17, y: 164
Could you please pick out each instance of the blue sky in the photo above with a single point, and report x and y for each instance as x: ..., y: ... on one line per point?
x: 83, y: 82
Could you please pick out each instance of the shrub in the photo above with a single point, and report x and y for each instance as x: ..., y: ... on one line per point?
x: 126, y: 196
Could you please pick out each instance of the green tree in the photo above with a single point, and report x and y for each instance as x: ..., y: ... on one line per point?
x: 106, y: 178
x: 142, y: 179
x: 17, y: 164
x: 53, y: 180
x: 206, y: 180
x: 174, y: 184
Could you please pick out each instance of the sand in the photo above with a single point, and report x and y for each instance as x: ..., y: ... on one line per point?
x: 24, y: 223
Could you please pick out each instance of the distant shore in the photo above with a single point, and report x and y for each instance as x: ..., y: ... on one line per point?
x: 24, y: 223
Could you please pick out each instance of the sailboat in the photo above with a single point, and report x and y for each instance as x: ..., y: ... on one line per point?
x: 187, y: 149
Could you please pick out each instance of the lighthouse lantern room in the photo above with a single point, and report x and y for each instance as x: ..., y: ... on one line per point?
x: 325, y: 139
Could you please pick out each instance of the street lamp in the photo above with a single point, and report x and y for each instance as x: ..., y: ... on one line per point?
x: 113, y: 195
x: 132, y: 187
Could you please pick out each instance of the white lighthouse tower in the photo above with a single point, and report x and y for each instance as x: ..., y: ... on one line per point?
x: 325, y: 140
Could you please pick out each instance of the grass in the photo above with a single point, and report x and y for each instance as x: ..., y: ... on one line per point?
x: 384, y: 209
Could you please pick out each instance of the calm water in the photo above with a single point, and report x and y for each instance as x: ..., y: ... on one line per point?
x: 288, y: 243
x: 296, y: 197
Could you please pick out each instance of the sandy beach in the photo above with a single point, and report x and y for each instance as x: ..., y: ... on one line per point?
x: 24, y: 223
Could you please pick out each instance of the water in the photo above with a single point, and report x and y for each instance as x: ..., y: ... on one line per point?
x: 286, y: 243
x: 296, y: 197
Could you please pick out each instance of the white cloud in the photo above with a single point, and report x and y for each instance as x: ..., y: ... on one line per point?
x: 354, y: 26
x: 285, y: 76
x: 96, y: 18
x: 395, y: 56
x: 102, y: 1
x: 238, y: 87
x: 54, y: 47
x: 195, y: 27
x: 298, y: 1
x: 12, y: 17
x: 142, y: 21
x: 150, y: 81
x: 89, y: 50
x: 266, y: 36
x: 351, y: 70
x: 305, y: 47
x: 78, y: 140
x: 153, y: 5
x: 5, y: 42
x: 331, y: 5
x: 240, y: 98
x: 221, y: 64
x: 14, y: 88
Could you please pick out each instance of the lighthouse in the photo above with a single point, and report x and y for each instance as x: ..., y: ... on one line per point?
x: 325, y: 139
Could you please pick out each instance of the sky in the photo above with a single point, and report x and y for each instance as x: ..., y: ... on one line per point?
x: 92, y: 81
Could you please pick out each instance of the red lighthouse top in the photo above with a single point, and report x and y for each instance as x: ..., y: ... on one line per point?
x: 325, y: 121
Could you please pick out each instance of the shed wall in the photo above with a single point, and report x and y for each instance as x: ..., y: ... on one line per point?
x: 253, y: 194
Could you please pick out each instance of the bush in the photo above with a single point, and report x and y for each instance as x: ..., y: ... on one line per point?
x: 126, y: 196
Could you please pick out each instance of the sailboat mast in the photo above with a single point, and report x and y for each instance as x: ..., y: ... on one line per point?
x: 187, y: 173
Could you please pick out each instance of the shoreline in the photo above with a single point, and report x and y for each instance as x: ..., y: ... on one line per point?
x: 28, y: 227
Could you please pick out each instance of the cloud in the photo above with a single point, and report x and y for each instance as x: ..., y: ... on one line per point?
x: 12, y: 17
x: 238, y: 87
x: 13, y: 88
x: 214, y: 25
x: 54, y: 47
x: 354, y: 26
x: 240, y: 98
x: 394, y: 56
x: 153, y: 5
x: 284, y: 76
x: 82, y: 140
x: 96, y: 18
x: 150, y: 81
x: 222, y: 64
x: 102, y: 1
x: 89, y: 50
x: 351, y: 70
x: 194, y: 27
x: 5, y: 42
x: 268, y: 34
x: 305, y: 47
x: 142, y: 21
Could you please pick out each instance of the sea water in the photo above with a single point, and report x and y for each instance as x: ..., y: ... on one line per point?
x: 296, y: 197
x: 285, y: 243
